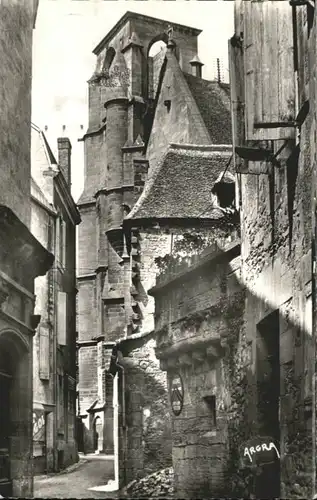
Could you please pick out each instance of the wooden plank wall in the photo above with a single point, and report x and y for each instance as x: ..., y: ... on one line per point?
x: 269, y: 67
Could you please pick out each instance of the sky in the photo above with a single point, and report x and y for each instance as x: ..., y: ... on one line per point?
x: 67, y: 31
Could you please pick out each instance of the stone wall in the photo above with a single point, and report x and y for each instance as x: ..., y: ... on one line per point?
x: 148, y: 426
x: 148, y: 432
x: 276, y: 269
x: 199, y: 315
x: 18, y: 271
x: 16, y: 27
x: 87, y: 376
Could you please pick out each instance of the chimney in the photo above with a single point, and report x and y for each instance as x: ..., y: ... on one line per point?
x: 64, y: 158
x: 196, y: 65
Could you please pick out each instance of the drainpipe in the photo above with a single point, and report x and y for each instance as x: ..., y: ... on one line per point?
x: 124, y: 427
x: 314, y: 324
x: 116, y: 368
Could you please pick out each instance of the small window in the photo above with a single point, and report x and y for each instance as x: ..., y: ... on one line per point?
x: 211, y: 404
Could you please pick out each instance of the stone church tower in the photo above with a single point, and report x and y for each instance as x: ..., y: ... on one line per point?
x: 126, y: 91
x: 120, y: 113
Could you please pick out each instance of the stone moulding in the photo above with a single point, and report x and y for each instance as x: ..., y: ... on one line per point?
x: 27, y: 249
x: 171, y: 353
x: 184, y: 350
x: 17, y: 323
x: 222, y: 308
x: 177, y: 270
x: 128, y: 16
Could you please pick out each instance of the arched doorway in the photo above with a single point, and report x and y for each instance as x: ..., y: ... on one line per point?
x: 96, y: 428
x: 15, y: 414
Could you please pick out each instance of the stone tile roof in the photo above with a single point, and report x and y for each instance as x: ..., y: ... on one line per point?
x: 179, y: 186
x: 213, y: 101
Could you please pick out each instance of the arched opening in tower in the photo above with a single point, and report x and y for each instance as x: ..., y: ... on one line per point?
x: 156, y: 56
x: 110, y: 53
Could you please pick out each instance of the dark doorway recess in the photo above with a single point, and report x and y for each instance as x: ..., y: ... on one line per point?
x: 5, y: 424
x: 267, y: 484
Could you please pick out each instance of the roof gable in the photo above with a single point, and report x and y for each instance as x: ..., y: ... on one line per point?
x: 182, y: 122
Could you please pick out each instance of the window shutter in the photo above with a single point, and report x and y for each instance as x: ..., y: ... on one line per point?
x: 269, y: 68
x: 44, y: 361
x: 61, y: 318
x: 64, y: 243
x: 57, y: 244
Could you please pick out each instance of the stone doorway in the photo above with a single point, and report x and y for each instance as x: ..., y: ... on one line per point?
x: 16, y: 436
x: 268, y: 391
x: 97, y: 434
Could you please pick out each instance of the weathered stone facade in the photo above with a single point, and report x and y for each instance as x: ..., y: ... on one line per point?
x: 16, y: 27
x: 54, y: 217
x: 128, y: 146
x: 199, y: 307
x: 266, y: 386
x: 22, y: 257
x: 276, y: 233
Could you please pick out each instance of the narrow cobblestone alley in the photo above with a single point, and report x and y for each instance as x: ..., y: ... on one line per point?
x: 91, y: 471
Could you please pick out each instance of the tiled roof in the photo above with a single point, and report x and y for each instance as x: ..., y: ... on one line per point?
x: 213, y: 101
x: 180, y: 184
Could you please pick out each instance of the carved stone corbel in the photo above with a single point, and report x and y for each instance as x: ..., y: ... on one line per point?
x: 34, y: 320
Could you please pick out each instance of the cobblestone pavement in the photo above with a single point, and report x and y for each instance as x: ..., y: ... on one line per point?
x: 90, y: 471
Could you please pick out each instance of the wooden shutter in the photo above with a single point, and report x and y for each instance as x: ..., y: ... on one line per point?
x: 61, y: 318
x: 269, y: 68
x: 63, y: 256
x: 57, y: 242
x: 44, y: 361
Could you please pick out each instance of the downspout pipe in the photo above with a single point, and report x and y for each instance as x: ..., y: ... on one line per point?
x: 314, y: 325
x: 116, y: 367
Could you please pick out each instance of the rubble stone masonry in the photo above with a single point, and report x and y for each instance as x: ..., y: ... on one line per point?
x: 276, y: 263
x: 199, y: 314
